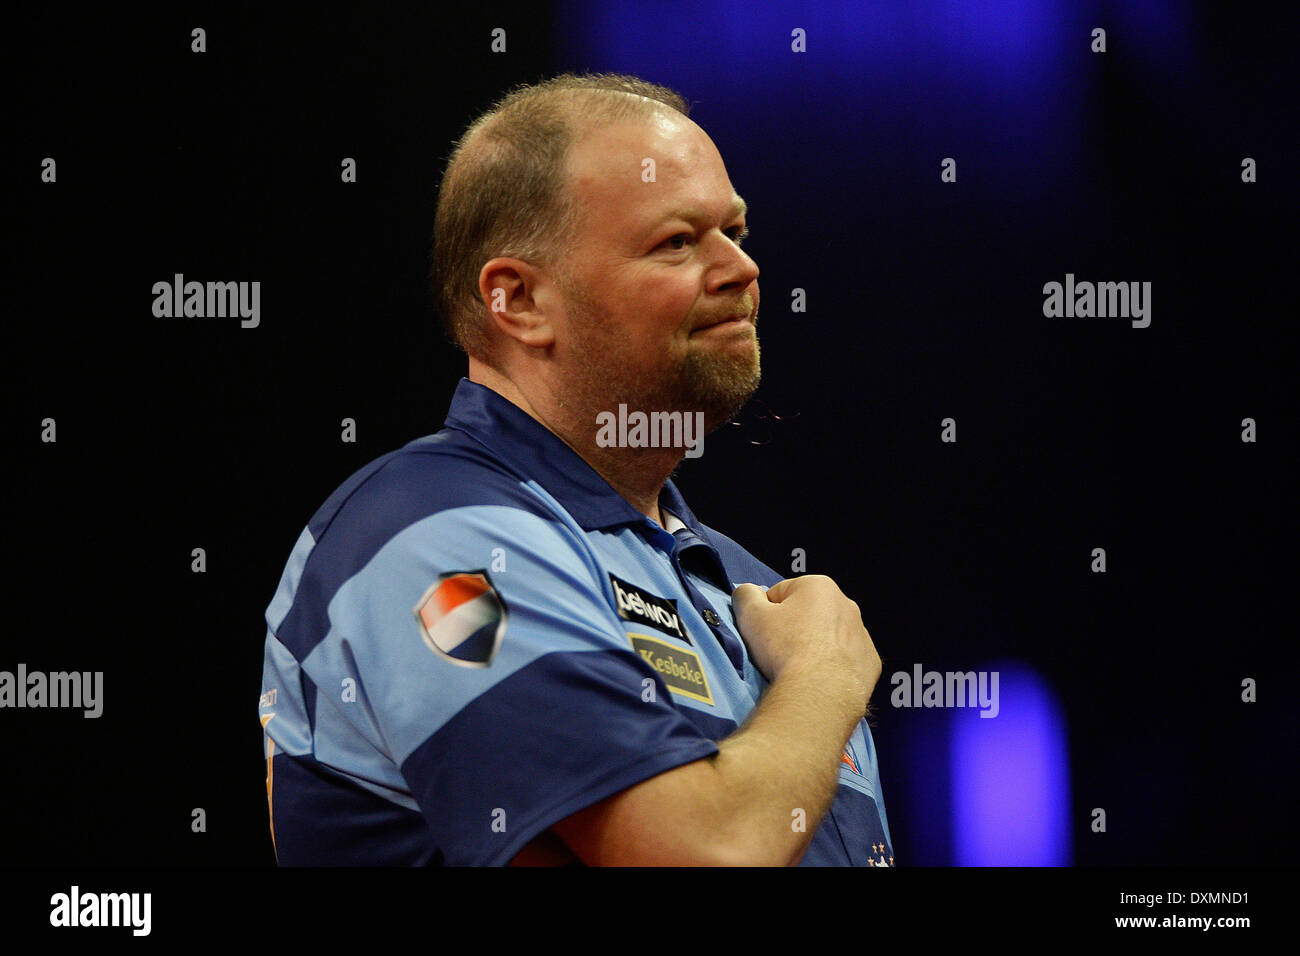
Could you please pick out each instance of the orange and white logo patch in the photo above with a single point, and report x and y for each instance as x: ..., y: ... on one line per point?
x: 850, y: 759
x: 462, y: 618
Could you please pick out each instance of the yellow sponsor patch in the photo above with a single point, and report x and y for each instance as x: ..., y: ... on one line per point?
x: 679, y: 667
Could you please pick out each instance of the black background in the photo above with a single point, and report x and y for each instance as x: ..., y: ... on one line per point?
x: 924, y: 302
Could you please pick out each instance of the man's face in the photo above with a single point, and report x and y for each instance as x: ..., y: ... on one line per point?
x: 652, y: 263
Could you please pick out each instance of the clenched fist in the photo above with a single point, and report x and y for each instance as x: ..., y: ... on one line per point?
x: 807, y: 623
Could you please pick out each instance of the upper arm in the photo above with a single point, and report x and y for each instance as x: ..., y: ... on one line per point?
x: 671, y: 819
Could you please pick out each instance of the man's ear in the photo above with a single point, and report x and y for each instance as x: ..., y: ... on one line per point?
x: 509, y: 287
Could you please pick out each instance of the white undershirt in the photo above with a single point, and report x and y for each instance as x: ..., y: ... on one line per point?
x: 674, y: 522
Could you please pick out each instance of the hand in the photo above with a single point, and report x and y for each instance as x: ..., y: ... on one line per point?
x: 807, y: 623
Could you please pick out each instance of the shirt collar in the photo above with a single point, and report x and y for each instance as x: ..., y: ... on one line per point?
x: 530, y: 448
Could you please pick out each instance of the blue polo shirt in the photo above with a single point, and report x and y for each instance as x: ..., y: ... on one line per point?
x: 476, y: 637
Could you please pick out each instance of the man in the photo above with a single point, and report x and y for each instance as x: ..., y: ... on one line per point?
x: 512, y: 641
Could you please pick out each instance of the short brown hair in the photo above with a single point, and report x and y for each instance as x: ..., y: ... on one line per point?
x: 504, y: 190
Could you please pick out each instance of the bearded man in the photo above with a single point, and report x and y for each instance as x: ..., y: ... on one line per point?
x: 512, y: 641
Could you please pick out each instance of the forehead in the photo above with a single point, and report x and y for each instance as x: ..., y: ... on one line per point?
x: 608, y: 172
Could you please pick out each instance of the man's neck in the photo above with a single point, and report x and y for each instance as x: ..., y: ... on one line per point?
x: 638, y: 474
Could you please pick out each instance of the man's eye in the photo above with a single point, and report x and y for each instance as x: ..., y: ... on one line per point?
x: 741, y: 234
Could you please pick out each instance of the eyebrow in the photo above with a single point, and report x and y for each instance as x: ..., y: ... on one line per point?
x: 738, y: 208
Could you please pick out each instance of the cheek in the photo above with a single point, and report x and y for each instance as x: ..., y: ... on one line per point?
x: 651, y: 340
x: 659, y: 324
x: 655, y: 315
x: 678, y: 315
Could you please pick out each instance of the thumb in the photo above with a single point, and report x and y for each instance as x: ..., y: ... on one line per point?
x: 746, y: 596
x: 780, y: 591
x: 747, y: 600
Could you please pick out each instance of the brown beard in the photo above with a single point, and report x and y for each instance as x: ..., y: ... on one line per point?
x: 713, y: 382
x: 718, y: 385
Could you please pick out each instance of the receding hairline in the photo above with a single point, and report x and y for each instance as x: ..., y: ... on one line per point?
x: 655, y: 218
x: 585, y: 110
x: 588, y: 111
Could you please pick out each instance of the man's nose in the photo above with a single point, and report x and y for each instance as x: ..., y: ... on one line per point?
x: 738, y: 270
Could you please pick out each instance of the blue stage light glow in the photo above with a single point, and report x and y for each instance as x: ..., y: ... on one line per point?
x: 1011, y: 777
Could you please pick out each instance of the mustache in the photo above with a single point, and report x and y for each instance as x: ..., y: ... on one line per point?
x: 746, y: 310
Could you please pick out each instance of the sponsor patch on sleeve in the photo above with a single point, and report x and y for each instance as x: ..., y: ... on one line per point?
x: 462, y: 618
x: 679, y: 667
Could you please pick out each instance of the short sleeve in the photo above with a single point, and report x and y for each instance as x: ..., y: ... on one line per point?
x: 492, y: 669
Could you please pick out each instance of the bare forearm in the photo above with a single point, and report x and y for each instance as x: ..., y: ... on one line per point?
x: 779, y: 772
